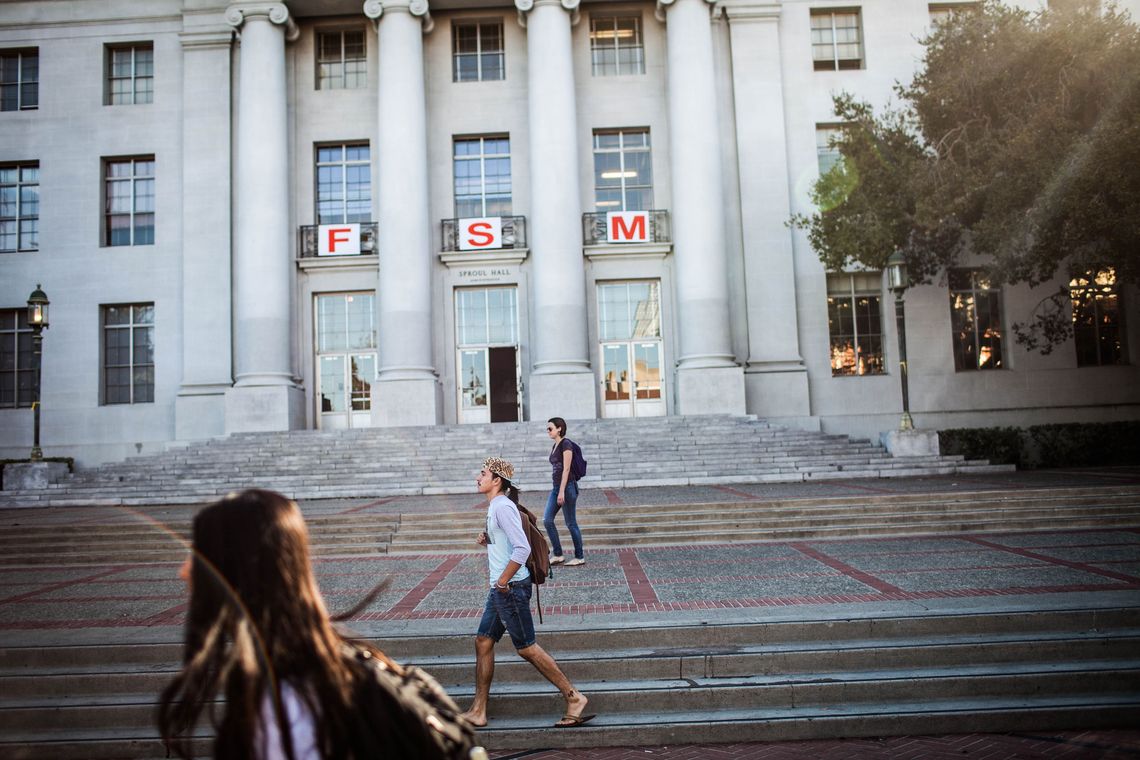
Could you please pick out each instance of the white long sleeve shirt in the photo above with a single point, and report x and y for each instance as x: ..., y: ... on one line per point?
x: 508, y: 541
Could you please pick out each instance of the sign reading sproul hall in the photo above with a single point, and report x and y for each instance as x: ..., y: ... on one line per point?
x: 484, y: 274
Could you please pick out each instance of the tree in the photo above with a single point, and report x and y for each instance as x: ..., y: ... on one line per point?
x: 1018, y: 140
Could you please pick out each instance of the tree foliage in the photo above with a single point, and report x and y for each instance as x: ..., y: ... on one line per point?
x: 1018, y: 140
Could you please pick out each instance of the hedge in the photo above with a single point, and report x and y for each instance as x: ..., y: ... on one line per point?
x: 1073, y: 444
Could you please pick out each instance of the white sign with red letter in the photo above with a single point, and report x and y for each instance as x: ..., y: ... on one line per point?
x: 480, y: 233
x: 338, y: 239
x: 627, y: 226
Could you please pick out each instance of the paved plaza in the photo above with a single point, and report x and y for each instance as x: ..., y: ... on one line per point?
x: 761, y: 581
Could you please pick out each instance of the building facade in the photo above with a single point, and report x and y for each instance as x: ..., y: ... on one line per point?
x: 257, y: 216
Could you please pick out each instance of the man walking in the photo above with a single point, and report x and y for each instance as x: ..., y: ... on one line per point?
x: 508, y: 602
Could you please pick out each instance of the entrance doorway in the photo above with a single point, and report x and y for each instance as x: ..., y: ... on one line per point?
x: 488, y: 381
x: 345, y: 359
x: 629, y: 325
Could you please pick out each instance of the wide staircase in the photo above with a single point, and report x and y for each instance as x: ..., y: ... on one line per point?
x: 925, y: 673
x: 443, y: 459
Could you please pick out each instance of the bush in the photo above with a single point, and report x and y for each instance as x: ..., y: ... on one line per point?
x: 1072, y: 444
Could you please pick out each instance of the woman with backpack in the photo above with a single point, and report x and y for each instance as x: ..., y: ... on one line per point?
x: 563, y: 496
x: 258, y: 634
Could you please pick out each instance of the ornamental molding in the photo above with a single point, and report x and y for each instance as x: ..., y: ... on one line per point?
x: 277, y: 13
x: 374, y: 9
x: 525, y: 6
x: 663, y: 6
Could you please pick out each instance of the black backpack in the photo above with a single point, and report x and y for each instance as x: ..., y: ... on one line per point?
x: 577, y: 461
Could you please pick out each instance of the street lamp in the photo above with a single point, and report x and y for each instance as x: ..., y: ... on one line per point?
x: 898, y: 282
x: 38, y: 321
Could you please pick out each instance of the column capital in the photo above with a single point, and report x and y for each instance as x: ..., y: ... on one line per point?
x: 750, y: 10
x: 277, y: 13
x: 663, y: 5
x: 373, y: 9
x: 524, y: 6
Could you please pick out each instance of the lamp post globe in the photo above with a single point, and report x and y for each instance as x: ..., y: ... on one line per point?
x: 37, y: 320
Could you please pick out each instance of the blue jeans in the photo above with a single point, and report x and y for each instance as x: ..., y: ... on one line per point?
x: 569, y: 511
x: 510, y: 613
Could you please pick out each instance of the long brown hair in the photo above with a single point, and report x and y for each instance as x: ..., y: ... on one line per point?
x: 256, y: 620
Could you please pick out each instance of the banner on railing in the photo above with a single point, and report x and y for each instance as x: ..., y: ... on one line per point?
x: 627, y: 226
x: 338, y: 239
x: 479, y: 233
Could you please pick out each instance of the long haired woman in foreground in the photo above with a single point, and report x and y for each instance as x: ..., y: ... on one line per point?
x: 258, y: 634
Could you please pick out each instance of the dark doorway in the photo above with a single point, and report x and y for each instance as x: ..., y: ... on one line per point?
x: 504, y: 384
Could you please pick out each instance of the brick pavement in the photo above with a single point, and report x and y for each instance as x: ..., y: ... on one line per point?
x: 1069, y: 745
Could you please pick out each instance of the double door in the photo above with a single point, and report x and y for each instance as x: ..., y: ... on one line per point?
x: 345, y: 341
x: 629, y: 328
x: 488, y: 379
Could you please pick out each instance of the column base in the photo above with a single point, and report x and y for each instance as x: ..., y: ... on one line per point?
x: 777, y: 390
x: 404, y: 403
x: 910, y: 443
x: 710, y: 390
x: 569, y: 395
x: 264, y: 408
x: 200, y: 412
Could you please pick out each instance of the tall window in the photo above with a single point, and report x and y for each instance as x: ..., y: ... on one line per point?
x: 940, y: 13
x: 836, y: 39
x: 827, y: 154
x: 130, y: 74
x: 128, y: 353
x: 344, y: 184
x: 975, y: 316
x: 129, y: 201
x: 616, y: 46
x: 19, y: 207
x: 17, y: 373
x: 342, y: 63
x: 19, y: 80
x: 854, y: 321
x: 486, y: 316
x: 629, y: 310
x: 482, y: 168
x: 477, y: 51
x: 1097, y: 318
x: 346, y: 350
x: 623, y: 170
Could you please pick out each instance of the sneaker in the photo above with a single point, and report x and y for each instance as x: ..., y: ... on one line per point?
x: 575, y: 561
x: 557, y: 559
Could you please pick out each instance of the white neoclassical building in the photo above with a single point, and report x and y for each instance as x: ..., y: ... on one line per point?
x: 333, y: 213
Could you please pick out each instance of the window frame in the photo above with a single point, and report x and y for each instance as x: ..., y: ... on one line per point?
x: 344, y: 163
x: 20, y: 332
x: 601, y: 68
x: 20, y: 219
x: 835, y: 62
x: 622, y: 150
x: 21, y: 82
x: 501, y: 54
x: 133, y: 180
x: 834, y: 155
x: 851, y: 295
x: 938, y: 13
x: 131, y: 366
x: 360, y: 77
x: 994, y: 297
x: 134, y: 77
x: 482, y: 158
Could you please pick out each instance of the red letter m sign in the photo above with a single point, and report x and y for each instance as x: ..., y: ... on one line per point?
x: 628, y: 226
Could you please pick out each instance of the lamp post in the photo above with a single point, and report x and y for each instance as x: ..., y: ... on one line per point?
x: 898, y: 282
x: 38, y: 321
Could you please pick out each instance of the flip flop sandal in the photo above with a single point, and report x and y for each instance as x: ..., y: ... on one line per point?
x: 573, y: 721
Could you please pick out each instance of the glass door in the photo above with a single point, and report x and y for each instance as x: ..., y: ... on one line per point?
x: 629, y: 325
x: 345, y: 360
x: 487, y: 370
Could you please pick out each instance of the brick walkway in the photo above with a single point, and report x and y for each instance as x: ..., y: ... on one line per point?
x: 1072, y: 745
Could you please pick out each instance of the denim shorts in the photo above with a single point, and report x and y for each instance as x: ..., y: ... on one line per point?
x: 510, y: 613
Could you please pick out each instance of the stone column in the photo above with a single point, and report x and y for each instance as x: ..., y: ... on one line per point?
x: 207, y: 356
x: 775, y: 379
x: 265, y: 395
x: 406, y: 389
x: 709, y: 381
x: 561, y: 382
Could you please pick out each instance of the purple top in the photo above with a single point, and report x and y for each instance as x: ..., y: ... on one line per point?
x: 556, y: 460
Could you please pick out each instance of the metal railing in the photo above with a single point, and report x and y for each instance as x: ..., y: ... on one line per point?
x: 594, y: 230
x: 308, y: 245
x: 513, y: 234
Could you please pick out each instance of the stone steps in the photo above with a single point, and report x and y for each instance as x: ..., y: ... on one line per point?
x: 443, y: 459
x: 925, y: 672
